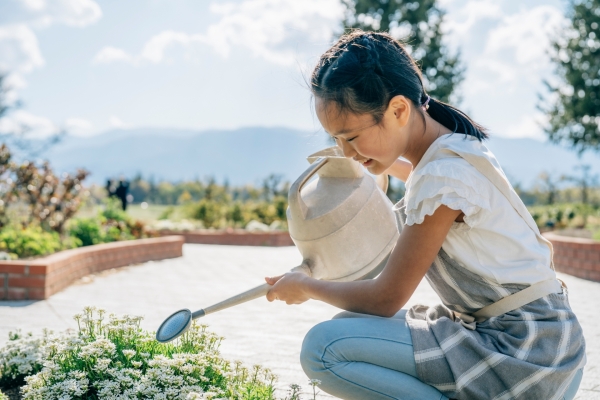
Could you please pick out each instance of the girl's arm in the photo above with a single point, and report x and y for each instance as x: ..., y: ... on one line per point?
x: 414, y: 253
x: 400, y: 169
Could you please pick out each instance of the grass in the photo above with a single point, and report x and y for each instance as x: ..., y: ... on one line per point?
x: 152, y: 213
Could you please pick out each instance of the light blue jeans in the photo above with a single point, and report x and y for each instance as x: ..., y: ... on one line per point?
x: 363, y: 357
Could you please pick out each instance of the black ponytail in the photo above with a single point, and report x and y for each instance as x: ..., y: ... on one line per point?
x: 363, y: 71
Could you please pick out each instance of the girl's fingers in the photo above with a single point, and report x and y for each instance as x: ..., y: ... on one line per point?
x: 271, y: 280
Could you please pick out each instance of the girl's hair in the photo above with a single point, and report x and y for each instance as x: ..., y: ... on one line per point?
x: 363, y: 71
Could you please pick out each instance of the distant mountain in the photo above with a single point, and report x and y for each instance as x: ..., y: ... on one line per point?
x: 241, y: 156
x: 248, y: 155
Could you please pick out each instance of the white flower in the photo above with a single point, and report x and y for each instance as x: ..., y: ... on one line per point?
x: 129, y: 353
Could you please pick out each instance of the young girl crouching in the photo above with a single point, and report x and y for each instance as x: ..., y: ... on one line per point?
x: 505, y: 329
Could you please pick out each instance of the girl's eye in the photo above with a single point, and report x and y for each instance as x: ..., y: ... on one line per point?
x: 351, y: 139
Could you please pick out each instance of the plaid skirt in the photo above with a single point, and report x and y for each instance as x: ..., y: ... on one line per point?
x: 532, y: 352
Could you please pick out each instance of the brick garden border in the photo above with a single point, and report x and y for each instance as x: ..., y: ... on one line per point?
x: 576, y: 256
x: 40, y: 278
x: 233, y: 237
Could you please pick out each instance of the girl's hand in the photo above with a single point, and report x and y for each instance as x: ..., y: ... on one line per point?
x: 290, y: 287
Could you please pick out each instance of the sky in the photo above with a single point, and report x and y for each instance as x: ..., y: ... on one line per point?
x: 91, y: 66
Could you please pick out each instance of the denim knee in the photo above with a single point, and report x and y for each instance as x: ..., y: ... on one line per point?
x: 313, y: 347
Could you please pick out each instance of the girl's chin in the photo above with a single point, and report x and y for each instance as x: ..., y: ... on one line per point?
x: 375, y: 168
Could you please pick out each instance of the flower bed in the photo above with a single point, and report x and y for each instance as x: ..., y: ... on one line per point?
x: 113, y: 358
x: 576, y: 256
x: 110, y: 358
x: 40, y: 278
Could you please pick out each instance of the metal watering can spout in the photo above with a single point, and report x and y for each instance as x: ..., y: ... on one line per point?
x: 341, y: 222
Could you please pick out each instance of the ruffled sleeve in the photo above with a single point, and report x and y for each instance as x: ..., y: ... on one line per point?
x: 452, y: 182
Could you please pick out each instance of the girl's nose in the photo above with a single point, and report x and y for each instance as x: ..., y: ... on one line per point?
x: 348, y: 151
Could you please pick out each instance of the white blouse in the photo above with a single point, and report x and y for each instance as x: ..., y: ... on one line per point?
x: 493, y: 241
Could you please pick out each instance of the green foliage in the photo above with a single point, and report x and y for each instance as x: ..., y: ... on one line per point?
x: 210, y: 212
x: 31, y: 241
x: 87, y: 230
x: 172, y: 193
x: 166, y: 214
x: 220, y: 214
x: 574, y: 109
x: 114, y: 358
x: 3, y: 396
x: 566, y: 215
x: 418, y: 25
x: 110, y: 225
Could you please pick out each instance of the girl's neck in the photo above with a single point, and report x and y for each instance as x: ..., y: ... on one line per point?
x: 422, y: 140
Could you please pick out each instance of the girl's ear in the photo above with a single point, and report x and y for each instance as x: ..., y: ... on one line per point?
x: 401, y: 107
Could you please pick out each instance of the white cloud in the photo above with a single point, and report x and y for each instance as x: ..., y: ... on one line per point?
x: 464, y: 17
x: 32, y: 125
x: 20, y: 54
x: 528, y: 126
x: 116, y: 122
x: 43, y: 13
x: 111, y: 54
x: 35, y: 126
x: 154, y: 49
x: 517, y: 48
x: 79, y: 126
x: 19, y: 49
x: 276, y: 30
x: 78, y: 13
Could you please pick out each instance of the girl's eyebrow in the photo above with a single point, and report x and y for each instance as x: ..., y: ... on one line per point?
x: 346, y: 131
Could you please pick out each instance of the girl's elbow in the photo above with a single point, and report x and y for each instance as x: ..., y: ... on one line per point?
x: 390, y: 307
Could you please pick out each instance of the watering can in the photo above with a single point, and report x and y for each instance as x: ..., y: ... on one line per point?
x: 341, y: 222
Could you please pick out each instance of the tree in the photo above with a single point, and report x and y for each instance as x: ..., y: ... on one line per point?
x: 585, y: 182
x: 418, y: 25
x: 574, y: 100
x: 549, y: 186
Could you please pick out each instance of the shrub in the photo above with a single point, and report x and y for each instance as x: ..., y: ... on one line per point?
x: 110, y: 358
x: 210, y: 212
x: 87, y: 230
x: 221, y: 214
x: 166, y: 214
x: 566, y: 215
x: 110, y: 225
x: 32, y: 241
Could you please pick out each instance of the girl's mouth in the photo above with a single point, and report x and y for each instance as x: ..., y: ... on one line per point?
x: 368, y: 162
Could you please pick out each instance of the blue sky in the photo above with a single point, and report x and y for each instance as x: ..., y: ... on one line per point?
x: 91, y: 66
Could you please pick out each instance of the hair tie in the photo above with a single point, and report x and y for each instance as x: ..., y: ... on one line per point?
x: 426, y: 104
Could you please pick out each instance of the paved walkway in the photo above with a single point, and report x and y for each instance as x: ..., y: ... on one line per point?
x: 258, y: 332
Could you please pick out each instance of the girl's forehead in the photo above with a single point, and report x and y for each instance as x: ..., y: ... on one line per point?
x: 338, y: 122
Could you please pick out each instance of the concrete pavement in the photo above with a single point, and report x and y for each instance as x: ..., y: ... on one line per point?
x: 258, y: 332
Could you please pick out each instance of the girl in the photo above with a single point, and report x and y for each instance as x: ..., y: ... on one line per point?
x: 505, y: 329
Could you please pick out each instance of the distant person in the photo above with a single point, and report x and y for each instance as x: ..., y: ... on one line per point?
x: 121, y: 192
x: 109, y: 188
x: 505, y: 329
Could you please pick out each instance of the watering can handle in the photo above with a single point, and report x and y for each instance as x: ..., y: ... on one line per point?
x: 246, y: 296
x: 295, y: 196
